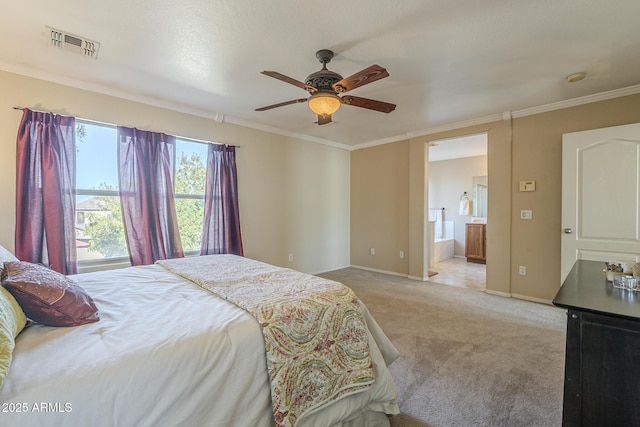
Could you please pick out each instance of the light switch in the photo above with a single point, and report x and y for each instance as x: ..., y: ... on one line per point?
x: 526, y: 214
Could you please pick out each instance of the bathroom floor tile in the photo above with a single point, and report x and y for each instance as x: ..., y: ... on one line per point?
x: 459, y: 272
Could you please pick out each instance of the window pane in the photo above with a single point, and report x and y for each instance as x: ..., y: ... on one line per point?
x: 190, y: 178
x: 190, y: 214
x: 96, y: 156
x: 191, y: 167
x: 99, y: 229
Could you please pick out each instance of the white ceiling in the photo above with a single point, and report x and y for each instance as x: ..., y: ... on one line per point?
x: 449, y: 61
x: 454, y: 148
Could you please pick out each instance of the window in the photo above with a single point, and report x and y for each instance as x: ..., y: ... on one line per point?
x: 99, y: 227
x: 101, y: 234
x: 189, y: 185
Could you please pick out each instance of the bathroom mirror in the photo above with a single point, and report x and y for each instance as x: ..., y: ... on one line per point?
x: 480, y: 189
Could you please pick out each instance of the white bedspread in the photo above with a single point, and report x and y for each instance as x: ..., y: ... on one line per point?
x: 165, y: 353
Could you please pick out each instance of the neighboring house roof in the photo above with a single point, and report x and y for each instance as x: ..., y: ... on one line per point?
x: 92, y: 204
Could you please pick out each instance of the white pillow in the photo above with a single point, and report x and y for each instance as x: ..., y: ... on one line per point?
x: 5, y: 256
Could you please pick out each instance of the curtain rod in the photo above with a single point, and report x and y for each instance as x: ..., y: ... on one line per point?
x: 199, y: 141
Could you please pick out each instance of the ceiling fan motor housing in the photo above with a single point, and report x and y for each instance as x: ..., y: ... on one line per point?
x: 323, y: 79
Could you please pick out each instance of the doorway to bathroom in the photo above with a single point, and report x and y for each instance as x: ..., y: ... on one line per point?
x: 457, y: 202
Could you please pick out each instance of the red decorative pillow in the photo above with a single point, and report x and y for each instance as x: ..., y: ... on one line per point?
x: 47, y: 296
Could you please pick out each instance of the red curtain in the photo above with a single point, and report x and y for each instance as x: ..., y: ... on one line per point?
x: 221, y: 228
x: 45, y: 191
x: 146, y: 167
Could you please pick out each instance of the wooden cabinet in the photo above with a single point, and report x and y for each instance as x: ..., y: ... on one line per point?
x: 476, y: 243
x: 601, y: 386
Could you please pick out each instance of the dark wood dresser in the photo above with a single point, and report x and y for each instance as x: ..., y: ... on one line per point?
x: 602, y: 364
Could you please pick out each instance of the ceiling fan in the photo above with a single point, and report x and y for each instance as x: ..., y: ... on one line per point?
x: 325, y: 85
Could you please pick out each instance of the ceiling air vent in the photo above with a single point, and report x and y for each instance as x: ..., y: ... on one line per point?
x: 72, y: 43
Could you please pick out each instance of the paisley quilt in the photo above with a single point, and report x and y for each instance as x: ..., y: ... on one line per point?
x: 314, y: 332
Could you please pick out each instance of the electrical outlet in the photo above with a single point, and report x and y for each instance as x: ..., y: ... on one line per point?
x: 522, y: 270
x: 290, y: 257
x: 372, y: 251
x: 401, y: 254
x: 526, y: 214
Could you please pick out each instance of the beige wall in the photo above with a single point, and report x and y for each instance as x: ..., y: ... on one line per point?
x: 329, y: 207
x: 528, y: 148
x: 379, y: 207
x: 397, y: 173
x: 537, y: 155
x: 294, y: 194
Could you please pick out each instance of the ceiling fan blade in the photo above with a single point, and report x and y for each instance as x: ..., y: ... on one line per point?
x: 371, y: 104
x: 289, y: 80
x: 324, y: 119
x: 282, y: 104
x: 366, y: 76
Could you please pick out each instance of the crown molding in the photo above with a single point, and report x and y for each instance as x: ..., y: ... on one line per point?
x: 271, y: 129
x: 431, y: 131
x: 588, y: 99
x: 508, y: 115
x: 105, y: 90
x: 222, y: 118
x: 161, y: 103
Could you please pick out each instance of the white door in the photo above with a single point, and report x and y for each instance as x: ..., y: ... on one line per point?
x: 600, y: 196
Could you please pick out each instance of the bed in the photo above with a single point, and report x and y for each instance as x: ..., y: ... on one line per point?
x: 169, y: 350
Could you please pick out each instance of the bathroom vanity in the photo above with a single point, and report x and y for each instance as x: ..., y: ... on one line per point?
x: 602, y: 368
x: 476, y: 242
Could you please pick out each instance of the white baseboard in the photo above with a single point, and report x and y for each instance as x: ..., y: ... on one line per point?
x: 392, y: 273
x: 532, y: 299
x: 375, y: 270
x: 327, y: 271
x: 518, y: 296
x: 498, y: 293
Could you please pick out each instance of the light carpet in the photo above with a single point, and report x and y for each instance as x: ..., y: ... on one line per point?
x: 467, y: 358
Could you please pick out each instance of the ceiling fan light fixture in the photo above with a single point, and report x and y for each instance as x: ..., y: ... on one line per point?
x: 324, y: 103
x: 325, y: 85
